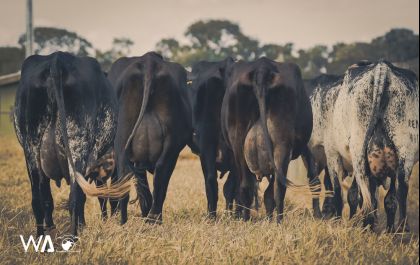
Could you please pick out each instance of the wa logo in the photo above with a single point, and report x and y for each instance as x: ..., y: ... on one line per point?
x: 45, y: 243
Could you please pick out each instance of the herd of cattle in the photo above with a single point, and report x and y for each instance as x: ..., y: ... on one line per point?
x: 247, y: 119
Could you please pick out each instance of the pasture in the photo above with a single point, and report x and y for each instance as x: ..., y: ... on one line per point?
x: 187, y: 237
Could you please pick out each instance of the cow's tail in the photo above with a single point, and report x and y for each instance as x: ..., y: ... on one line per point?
x: 380, y: 73
x: 267, y: 139
x: 147, y: 86
x: 117, y: 190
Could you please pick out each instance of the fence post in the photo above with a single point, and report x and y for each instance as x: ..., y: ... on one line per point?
x: 29, y: 30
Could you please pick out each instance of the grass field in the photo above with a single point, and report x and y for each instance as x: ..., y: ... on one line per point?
x: 187, y: 237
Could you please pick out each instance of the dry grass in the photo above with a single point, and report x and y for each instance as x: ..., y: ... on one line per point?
x: 186, y: 237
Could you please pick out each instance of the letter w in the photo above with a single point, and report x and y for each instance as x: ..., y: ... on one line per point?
x: 31, y: 241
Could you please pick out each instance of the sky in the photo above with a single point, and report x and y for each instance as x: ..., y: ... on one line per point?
x: 303, y: 22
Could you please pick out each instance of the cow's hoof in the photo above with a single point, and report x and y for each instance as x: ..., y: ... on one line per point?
x: 237, y: 214
x: 279, y: 219
x: 104, y: 217
x: 39, y: 231
x: 269, y: 217
x: 328, y: 211
x: 370, y: 225
x: 390, y: 230
x: 403, y: 227
x: 317, y: 214
x: 246, y: 216
x: 155, y: 219
x: 52, y: 231
x: 328, y: 214
x: 211, y: 216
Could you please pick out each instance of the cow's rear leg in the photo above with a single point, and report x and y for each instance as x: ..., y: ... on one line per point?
x: 163, y: 172
x: 353, y: 198
x: 143, y: 192
x: 390, y: 204
x: 229, y: 190
x: 77, y: 205
x: 315, y: 186
x: 402, y: 201
x: 280, y: 188
x: 114, y: 202
x: 102, y: 204
x: 246, y: 191
x: 328, y: 208
x: 256, y: 196
x: 37, y: 204
x: 123, y: 205
x: 314, y: 183
x: 335, y: 165
x: 37, y: 207
x: 210, y: 179
x: 370, y: 218
x: 338, y: 199
x: 102, y: 201
x: 48, y: 203
x: 114, y: 206
x: 269, y: 202
x: 279, y: 194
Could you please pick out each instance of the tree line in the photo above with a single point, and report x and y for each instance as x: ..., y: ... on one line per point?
x: 217, y: 39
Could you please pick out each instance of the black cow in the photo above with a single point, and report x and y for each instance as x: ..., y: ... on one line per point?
x: 65, y: 119
x: 154, y: 125
x: 266, y: 121
x: 208, y: 88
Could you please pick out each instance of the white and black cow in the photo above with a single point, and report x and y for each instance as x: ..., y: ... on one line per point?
x: 322, y: 92
x: 65, y: 119
x: 368, y: 126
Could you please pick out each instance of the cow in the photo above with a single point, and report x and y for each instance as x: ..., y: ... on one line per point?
x: 65, y: 119
x: 321, y: 91
x: 266, y: 122
x: 154, y: 125
x: 369, y: 130
x: 208, y: 88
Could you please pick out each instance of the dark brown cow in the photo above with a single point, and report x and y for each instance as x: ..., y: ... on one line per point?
x: 267, y: 122
x: 154, y: 125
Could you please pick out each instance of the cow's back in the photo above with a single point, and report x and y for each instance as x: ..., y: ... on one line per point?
x: 323, y: 94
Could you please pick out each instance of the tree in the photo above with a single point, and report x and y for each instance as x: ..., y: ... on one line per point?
x: 277, y: 52
x: 397, y: 45
x: 120, y: 47
x: 216, y: 39
x: 48, y: 40
x: 168, y: 48
x: 11, y: 59
x: 210, y: 40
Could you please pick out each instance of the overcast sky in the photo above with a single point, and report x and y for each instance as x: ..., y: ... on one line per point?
x: 304, y: 22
